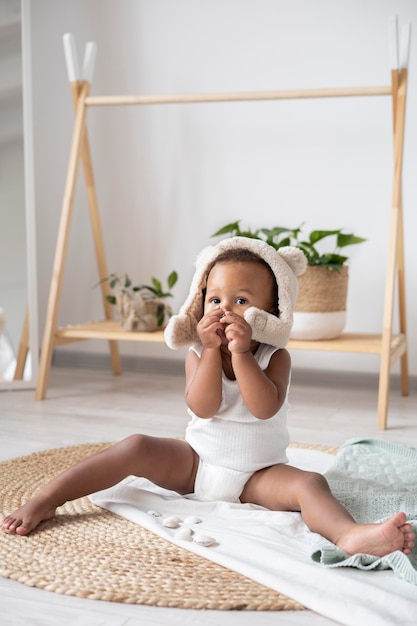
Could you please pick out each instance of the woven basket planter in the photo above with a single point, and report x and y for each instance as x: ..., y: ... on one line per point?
x: 320, y: 310
x: 141, y: 314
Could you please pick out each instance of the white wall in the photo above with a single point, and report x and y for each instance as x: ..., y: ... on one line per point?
x: 169, y: 176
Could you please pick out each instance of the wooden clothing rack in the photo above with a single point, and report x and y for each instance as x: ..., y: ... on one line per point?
x: 389, y: 345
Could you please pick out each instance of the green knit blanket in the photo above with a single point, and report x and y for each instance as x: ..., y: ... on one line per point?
x: 373, y: 479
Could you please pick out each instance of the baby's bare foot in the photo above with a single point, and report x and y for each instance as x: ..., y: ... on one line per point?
x: 379, y: 539
x: 28, y: 516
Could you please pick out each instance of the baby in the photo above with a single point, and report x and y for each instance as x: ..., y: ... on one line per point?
x: 236, y: 320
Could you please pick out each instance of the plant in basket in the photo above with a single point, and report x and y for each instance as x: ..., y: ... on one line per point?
x: 141, y: 307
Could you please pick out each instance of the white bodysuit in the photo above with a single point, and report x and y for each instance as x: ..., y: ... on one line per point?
x: 234, y: 444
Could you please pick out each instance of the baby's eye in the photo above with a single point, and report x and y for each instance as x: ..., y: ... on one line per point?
x: 214, y: 300
x: 241, y: 301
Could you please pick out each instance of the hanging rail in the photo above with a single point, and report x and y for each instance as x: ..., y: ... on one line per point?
x: 291, y: 94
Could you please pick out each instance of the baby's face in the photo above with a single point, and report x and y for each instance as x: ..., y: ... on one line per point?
x: 236, y: 286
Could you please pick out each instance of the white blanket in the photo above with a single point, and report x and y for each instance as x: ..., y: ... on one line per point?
x: 273, y: 549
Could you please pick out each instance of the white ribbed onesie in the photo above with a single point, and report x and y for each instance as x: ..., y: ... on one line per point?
x: 234, y: 444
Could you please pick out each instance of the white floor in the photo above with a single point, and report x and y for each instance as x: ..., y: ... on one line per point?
x: 92, y: 405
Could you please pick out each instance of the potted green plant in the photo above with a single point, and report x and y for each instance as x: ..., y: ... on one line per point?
x: 141, y: 307
x: 320, y: 311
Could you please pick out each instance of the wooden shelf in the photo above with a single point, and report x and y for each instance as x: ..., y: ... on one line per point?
x: 105, y: 329
x: 353, y: 342
x: 111, y: 330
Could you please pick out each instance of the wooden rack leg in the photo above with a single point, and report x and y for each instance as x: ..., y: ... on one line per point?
x: 400, y: 255
x: 62, y: 246
x: 404, y: 58
x: 395, y: 249
x: 97, y: 230
x: 385, y: 367
x: 23, y: 349
x: 402, y: 307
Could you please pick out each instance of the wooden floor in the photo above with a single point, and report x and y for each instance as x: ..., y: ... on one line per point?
x: 93, y: 405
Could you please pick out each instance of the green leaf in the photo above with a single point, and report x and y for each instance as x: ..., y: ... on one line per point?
x: 172, y: 279
x: 157, y: 284
x: 296, y: 231
x: 309, y: 250
x: 156, y: 292
x: 318, y: 235
x: 111, y: 299
x: 333, y: 259
x: 249, y: 234
x: 275, y: 231
x: 233, y: 227
x: 160, y: 314
x: 274, y: 236
x: 103, y: 280
x: 284, y: 242
x: 348, y: 240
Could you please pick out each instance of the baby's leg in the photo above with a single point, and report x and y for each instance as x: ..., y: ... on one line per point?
x: 169, y: 463
x: 286, y: 488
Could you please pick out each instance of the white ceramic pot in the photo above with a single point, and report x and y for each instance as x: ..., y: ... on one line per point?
x: 315, y: 326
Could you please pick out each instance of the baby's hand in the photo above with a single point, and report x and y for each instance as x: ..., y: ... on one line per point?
x: 238, y: 332
x: 210, y: 329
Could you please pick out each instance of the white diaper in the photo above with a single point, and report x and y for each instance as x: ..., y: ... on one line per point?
x: 219, y: 483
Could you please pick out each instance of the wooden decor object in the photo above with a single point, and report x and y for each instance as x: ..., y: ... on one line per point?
x: 389, y: 345
x: 23, y: 349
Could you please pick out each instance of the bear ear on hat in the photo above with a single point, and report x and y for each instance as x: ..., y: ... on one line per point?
x: 295, y: 258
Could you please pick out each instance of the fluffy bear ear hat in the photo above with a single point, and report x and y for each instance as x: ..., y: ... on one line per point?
x: 286, y: 263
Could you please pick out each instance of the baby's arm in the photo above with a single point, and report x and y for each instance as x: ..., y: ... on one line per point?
x: 203, y: 390
x: 263, y: 392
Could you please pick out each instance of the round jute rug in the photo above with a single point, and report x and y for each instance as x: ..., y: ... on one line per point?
x: 88, y: 552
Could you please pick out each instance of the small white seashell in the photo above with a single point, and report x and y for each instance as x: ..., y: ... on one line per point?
x: 192, y: 519
x: 203, y: 540
x: 172, y: 522
x: 154, y: 513
x: 184, y: 534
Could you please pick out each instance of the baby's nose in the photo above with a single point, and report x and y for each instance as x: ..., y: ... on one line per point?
x: 226, y: 304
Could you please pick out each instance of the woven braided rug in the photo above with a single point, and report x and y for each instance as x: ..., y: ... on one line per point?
x: 88, y: 552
